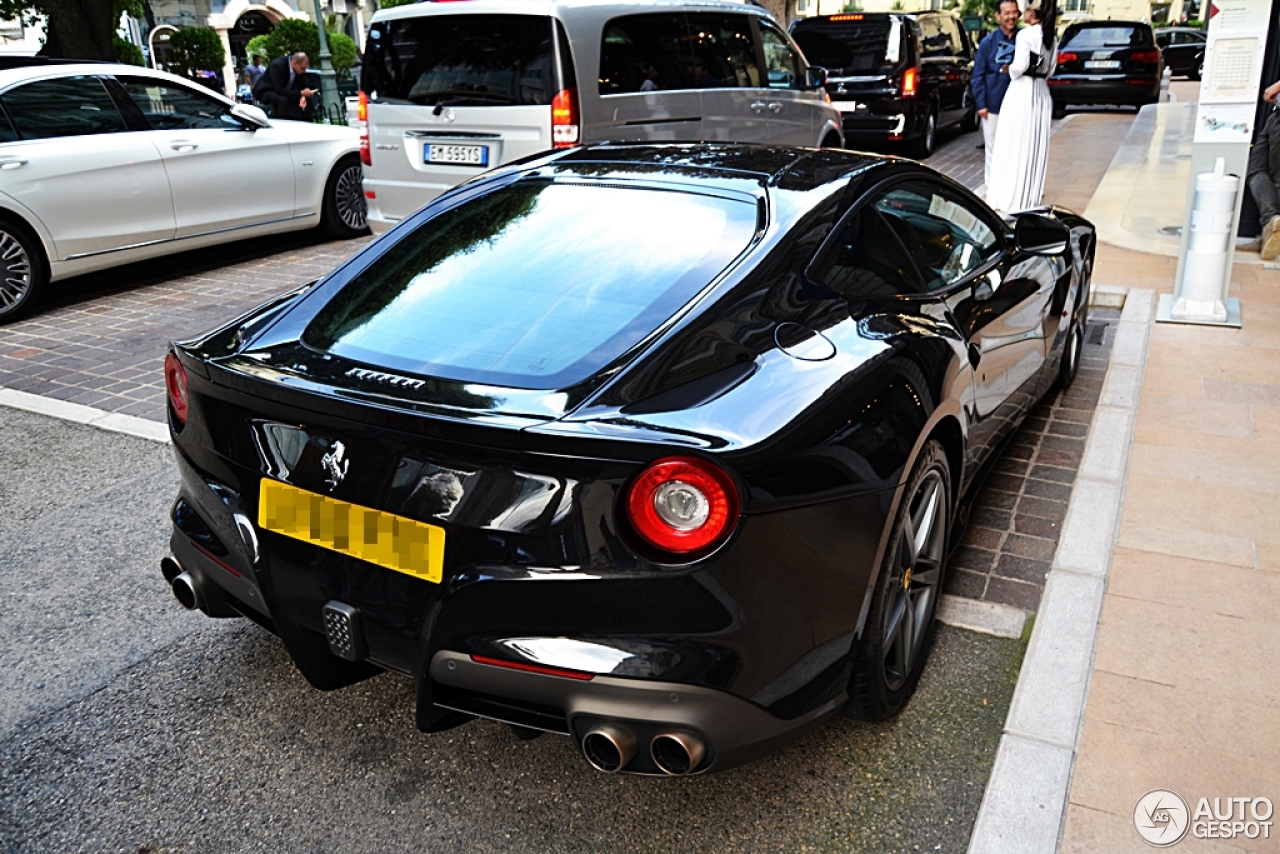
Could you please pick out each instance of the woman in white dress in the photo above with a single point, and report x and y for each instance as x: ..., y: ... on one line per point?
x: 1022, y: 137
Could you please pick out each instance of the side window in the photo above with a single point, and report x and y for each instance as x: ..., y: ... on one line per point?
x: 67, y: 106
x: 169, y: 107
x: 724, y: 53
x: 943, y: 232
x: 954, y: 37
x: 780, y: 60
x: 867, y: 259
x: 934, y: 41
x: 1163, y: 39
x: 645, y: 53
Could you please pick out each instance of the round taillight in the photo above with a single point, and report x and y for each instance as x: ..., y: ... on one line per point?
x: 175, y: 381
x: 682, y: 505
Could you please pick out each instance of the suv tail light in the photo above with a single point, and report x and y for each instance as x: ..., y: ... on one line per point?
x: 1067, y: 56
x: 1150, y: 57
x: 564, y: 119
x: 362, y: 115
x: 682, y: 505
x: 910, y: 82
x: 175, y: 382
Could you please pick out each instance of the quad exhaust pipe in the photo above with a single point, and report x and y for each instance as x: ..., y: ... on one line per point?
x: 186, y: 588
x: 677, y: 753
x: 609, y: 747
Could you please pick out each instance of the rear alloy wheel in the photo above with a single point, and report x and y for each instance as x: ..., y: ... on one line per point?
x: 345, y: 209
x: 22, y: 271
x: 899, y: 628
x: 922, y: 146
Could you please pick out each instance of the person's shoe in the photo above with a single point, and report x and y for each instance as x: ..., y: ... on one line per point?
x: 1271, y: 239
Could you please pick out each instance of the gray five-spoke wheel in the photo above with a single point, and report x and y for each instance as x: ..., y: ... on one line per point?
x: 17, y: 281
x: 911, y: 591
x: 348, y: 197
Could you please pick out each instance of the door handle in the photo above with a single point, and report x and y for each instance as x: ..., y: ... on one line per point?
x: 757, y: 105
x: 775, y: 107
x: 12, y: 162
x: 183, y: 145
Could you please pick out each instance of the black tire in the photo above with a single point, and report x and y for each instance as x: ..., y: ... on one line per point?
x: 895, y: 639
x: 345, y: 209
x: 970, y: 122
x: 23, y: 271
x: 1196, y: 70
x: 830, y: 141
x: 1071, y: 351
x: 922, y: 146
x: 1059, y: 110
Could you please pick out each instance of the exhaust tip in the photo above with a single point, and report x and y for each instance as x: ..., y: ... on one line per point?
x: 609, y: 747
x: 170, y: 569
x: 677, y: 753
x: 186, y: 591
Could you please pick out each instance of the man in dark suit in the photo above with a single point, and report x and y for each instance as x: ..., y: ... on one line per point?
x: 287, y: 90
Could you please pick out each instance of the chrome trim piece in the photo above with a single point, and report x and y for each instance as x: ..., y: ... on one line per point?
x: 450, y: 134
x: 189, y: 236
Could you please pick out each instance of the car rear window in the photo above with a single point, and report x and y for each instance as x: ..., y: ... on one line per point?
x: 851, y: 47
x: 462, y: 60
x: 535, y: 285
x: 1085, y: 37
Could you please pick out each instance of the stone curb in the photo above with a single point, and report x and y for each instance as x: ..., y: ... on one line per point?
x: 80, y: 414
x: 1026, y: 798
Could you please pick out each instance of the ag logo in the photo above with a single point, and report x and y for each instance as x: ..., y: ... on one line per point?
x: 1161, y: 818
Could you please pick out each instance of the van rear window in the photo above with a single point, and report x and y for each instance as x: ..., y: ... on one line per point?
x: 462, y: 60
x: 848, y: 48
x: 536, y: 285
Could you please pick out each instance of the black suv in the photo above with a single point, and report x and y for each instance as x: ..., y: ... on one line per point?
x: 895, y: 77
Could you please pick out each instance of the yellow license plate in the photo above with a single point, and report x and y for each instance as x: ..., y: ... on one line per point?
x: 404, y: 545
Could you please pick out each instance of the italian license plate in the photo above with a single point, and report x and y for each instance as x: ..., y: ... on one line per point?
x: 394, y: 542
x: 464, y: 155
x: 1102, y: 63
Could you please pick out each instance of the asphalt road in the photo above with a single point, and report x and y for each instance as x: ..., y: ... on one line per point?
x: 130, y: 725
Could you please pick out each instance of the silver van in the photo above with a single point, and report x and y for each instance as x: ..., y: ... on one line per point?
x: 451, y: 89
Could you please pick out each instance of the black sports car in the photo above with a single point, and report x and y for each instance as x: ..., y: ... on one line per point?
x: 660, y: 448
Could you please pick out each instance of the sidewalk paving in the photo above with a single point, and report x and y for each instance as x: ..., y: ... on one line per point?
x: 1183, y: 691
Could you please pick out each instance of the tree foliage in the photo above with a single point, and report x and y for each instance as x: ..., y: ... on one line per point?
x: 985, y: 8
x: 294, y: 34
x: 127, y: 52
x: 193, y: 49
x: 74, y: 29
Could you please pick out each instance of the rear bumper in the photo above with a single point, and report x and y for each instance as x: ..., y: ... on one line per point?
x: 1111, y: 89
x: 735, y: 730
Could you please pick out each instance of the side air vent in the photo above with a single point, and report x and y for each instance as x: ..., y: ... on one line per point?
x: 693, y: 393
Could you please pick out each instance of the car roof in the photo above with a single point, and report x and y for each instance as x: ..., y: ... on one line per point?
x: 1110, y: 23
x: 789, y: 167
x: 547, y: 7
x: 10, y: 75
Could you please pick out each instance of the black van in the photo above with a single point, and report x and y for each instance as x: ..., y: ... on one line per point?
x: 895, y: 77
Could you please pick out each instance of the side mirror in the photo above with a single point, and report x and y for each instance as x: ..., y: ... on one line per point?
x: 1036, y: 234
x: 252, y: 116
x: 817, y: 77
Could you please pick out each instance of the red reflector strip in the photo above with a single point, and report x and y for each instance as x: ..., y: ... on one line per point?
x: 210, y: 556
x: 534, y: 668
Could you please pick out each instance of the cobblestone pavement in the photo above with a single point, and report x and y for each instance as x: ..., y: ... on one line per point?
x: 100, y: 339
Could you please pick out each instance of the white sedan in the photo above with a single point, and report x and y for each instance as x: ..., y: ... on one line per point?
x: 104, y: 164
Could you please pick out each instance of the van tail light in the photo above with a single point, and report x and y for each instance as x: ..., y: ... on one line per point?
x: 175, y: 382
x: 362, y: 116
x: 910, y: 82
x: 1067, y: 56
x: 1149, y: 57
x: 682, y: 505
x: 564, y: 119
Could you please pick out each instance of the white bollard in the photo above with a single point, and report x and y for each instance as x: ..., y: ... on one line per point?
x: 1201, y: 298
